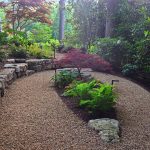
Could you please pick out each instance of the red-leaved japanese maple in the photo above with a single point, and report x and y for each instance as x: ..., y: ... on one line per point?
x: 20, y: 13
x: 78, y: 60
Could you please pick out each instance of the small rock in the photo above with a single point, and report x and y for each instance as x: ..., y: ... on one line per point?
x: 29, y: 72
x: 108, y: 129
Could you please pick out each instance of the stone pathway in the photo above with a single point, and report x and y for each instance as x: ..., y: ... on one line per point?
x: 33, y: 117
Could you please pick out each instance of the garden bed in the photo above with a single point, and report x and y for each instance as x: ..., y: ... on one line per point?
x: 73, y: 104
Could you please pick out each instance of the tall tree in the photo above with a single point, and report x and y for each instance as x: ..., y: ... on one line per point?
x: 89, y: 20
x: 61, y: 19
x: 110, y: 18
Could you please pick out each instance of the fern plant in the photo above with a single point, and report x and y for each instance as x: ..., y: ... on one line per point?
x: 102, y: 98
x: 94, y: 96
x: 81, y: 89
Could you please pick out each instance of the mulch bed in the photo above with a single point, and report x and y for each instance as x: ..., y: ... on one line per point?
x: 73, y: 104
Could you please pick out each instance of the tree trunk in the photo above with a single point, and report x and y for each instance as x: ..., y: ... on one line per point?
x: 0, y: 24
x: 61, y: 19
x: 110, y: 18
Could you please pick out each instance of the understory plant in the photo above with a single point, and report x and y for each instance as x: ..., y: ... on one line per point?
x: 94, y: 95
x: 113, y: 50
x: 18, y: 52
x: 42, y: 50
x: 64, y: 78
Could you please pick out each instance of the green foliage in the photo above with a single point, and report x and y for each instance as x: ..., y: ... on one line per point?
x: 129, y: 69
x: 18, y: 52
x: 81, y: 89
x: 42, y: 50
x: 3, y: 38
x: 19, y: 39
x: 101, y: 99
x: 2, y: 56
x: 38, y: 32
x: 64, y: 78
x: 54, y: 44
x: 114, y: 50
x: 94, y: 96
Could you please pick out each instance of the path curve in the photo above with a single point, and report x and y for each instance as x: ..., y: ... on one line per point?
x: 33, y: 117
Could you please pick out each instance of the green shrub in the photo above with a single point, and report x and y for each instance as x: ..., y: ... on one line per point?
x: 3, y: 38
x: 64, y: 78
x: 81, y: 89
x: 2, y: 56
x: 114, y: 50
x: 42, y: 50
x: 101, y: 99
x: 142, y: 51
x: 129, y: 69
x: 18, y: 52
x: 94, y: 96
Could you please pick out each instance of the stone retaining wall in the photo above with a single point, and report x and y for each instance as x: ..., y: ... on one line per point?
x: 16, y: 68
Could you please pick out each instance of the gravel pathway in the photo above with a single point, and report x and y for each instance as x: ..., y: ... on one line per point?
x: 33, y: 117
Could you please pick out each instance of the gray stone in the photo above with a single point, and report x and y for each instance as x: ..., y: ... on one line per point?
x: 8, y: 74
x: 4, y: 78
x: 29, y: 72
x: 108, y: 129
x: 39, y: 64
x: 20, y: 68
x: 2, y: 83
x: 37, y: 68
x: 86, y: 76
x: 10, y: 61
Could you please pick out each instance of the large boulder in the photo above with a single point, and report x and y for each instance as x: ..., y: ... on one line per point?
x: 34, y: 64
x: 48, y: 64
x: 108, y: 129
x: 40, y: 64
x: 20, y: 68
x: 9, y: 75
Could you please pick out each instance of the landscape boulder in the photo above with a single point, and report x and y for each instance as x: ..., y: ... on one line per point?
x: 9, y: 75
x: 108, y: 129
x: 20, y: 68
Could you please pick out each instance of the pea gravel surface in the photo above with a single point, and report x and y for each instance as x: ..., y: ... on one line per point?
x: 33, y: 117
